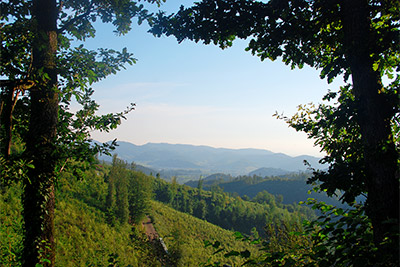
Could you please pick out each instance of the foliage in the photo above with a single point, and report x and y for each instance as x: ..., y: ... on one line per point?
x: 283, y: 247
x: 10, y: 225
x: 184, y: 236
x: 335, y: 130
x: 299, y: 32
x: 337, y: 238
x: 39, y: 62
x: 345, y: 238
x: 342, y: 237
x: 78, y: 223
x: 357, y: 40
x: 117, y: 197
x: 287, y: 189
x: 140, y: 194
x: 78, y: 69
x: 81, y: 218
x: 13, y: 170
x: 83, y: 236
x: 230, y: 212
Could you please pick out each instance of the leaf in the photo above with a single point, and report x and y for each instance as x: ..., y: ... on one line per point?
x: 238, y: 235
x: 375, y: 66
x: 30, y: 165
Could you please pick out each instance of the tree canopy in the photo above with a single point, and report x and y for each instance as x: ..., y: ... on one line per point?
x: 44, y: 71
x: 357, y: 40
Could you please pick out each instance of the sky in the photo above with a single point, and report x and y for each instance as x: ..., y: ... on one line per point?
x: 198, y: 94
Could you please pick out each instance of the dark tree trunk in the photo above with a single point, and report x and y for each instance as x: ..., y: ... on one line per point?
x: 12, y: 88
x: 375, y: 111
x: 9, y: 104
x: 38, y: 199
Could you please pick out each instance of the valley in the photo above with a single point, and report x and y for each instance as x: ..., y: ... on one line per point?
x: 189, y: 162
x: 185, y: 218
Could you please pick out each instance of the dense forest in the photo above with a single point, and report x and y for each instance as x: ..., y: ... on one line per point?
x: 288, y: 189
x: 229, y: 212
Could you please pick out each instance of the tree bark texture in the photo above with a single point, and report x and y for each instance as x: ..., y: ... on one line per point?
x: 39, y: 199
x: 375, y: 111
x: 7, y: 118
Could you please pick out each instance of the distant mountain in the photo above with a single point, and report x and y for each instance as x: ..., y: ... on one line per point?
x: 263, y: 172
x: 210, y: 180
x: 181, y: 175
x: 207, y: 159
x: 219, y: 177
x: 145, y: 170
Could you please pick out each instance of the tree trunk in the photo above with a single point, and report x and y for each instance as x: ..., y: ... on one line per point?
x: 375, y: 111
x: 8, y: 104
x: 38, y: 199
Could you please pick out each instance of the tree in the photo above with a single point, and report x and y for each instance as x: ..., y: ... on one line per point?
x: 200, y: 187
x: 39, y: 63
x: 122, y: 193
x: 200, y: 209
x: 356, y: 39
x: 117, y: 198
x: 139, y: 195
x: 110, y: 201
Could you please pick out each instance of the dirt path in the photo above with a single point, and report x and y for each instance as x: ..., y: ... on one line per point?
x: 149, y: 228
x: 157, y: 242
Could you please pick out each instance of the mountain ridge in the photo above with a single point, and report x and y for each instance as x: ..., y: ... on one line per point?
x: 164, y: 156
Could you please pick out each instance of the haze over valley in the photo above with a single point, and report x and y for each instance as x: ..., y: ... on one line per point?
x: 192, y: 161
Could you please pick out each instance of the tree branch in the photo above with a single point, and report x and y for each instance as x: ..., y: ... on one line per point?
x: 17, y: 84
x: 75, y: 19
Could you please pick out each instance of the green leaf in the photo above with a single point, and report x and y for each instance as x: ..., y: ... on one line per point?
x: 238, y: 235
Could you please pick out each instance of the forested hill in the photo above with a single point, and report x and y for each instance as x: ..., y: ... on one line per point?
x: 289, y: 188
x: 227, y: 211
x: 101, y: 208
x: 207, y: 159
x: 97, y: 223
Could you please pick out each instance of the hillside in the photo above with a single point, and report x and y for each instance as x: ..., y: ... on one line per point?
x: 293, y: 188
x: 207, y: 159
x: 85, y: 236
x: 268, y: 172
x: 232, y: 213
x: 90, y: 231
x: 184, y: 236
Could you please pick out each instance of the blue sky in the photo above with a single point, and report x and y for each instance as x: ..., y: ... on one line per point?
x: 191, y: 93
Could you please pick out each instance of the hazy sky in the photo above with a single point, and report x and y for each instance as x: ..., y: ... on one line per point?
x: 191, y: 93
